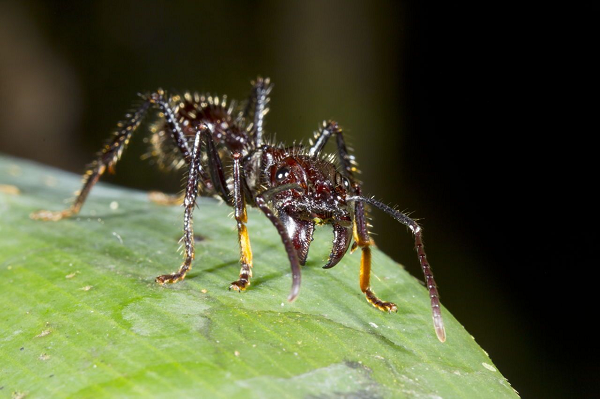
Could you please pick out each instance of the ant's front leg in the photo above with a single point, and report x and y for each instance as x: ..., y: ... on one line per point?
x: 189, y: 202
x: 362, y: 239
x: 361, y: 232
x: 239, y: 203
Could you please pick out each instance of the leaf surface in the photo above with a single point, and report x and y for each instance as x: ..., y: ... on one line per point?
x: 82, y: 317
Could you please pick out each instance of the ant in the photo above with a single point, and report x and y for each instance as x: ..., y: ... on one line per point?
x: 295, y: 187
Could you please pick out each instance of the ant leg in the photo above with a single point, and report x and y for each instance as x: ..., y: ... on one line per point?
x: 361, y: 232
x: 191, y: 193
x: 177, y: 134
x: 107, y: 159
x: 172, y: 118
x: 215, y: 167
x: 111, y: 153
x: 438, y: 322
x: 256, y: 107
x: 347, y: 161
x: 217, y: 175
x: 362, y: 239
x: 189, y: 202
x: 239, y: 203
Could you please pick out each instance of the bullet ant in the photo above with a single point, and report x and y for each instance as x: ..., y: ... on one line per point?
x: 295, y: 187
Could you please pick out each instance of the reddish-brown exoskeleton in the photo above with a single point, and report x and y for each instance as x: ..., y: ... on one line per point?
x: 295, y: 187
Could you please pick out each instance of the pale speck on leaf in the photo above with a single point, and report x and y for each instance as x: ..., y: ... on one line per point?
x: 43, y: 333
x: 488, y: 366
x: 118, y: 237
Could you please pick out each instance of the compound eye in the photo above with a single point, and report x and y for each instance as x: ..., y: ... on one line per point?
x: 282, y: 174
x: 342, y: 181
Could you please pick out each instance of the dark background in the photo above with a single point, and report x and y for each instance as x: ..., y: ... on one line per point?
x: 466, y: 115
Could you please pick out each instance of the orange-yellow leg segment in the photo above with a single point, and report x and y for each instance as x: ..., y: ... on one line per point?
x: 241, y: 217
x: 365, y: 279
x: 245, y: 259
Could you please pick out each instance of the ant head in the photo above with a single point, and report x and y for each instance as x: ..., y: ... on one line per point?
x: 310, y: 188
x: 312, y: 193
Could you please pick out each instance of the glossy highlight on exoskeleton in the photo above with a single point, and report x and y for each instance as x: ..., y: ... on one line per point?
x: 296, y: 188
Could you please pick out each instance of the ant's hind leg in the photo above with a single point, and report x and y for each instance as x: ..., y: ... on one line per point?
x: 189, y: 203
x: 241, y: 217
x: 111, y: 152
x: 107, y: 159
x: 257, y: 107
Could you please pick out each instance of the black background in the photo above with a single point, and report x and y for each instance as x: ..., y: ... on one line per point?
x: 470, y: 116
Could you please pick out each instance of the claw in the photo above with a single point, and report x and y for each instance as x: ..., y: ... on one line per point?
x: 379, y: 304
x: 341, y: 241
x: 239, y: 285
x: 170, y: 278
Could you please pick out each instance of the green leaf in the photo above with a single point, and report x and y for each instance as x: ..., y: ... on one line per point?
x: 82, y: 317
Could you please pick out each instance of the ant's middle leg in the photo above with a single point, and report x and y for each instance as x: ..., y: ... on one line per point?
x: 191, y: 193
x: 189, y: 202
x: 239, y: 203
x: 179, y: 137
x: 215, y: 168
